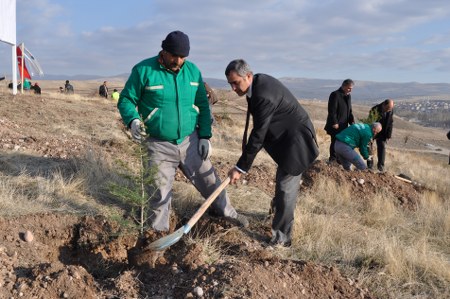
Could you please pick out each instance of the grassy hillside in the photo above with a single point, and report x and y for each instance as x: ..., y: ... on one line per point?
x: 389, y: 238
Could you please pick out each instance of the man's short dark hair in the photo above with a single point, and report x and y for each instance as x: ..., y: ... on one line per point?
x: 240, y: 66
x: 348, y: 82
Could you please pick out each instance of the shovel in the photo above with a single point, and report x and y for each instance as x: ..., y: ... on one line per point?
x: 174, y: 237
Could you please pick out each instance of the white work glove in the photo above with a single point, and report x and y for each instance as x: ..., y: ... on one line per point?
x: 137, y: 130
x: 204, y: 148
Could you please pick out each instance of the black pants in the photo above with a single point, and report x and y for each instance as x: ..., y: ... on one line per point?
x: 332, y: 152
x: 381, y: 152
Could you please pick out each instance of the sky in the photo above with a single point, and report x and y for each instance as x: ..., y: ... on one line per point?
x: 366, y: 40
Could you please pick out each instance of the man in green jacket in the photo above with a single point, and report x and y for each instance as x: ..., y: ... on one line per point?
x: 166, y: 95
x: 355, y: 136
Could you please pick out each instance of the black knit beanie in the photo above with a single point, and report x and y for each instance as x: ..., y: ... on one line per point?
x: 176, y: 43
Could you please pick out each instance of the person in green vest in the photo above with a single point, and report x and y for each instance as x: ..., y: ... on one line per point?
x: 164, y: 102
x: 356, y: 136
x: 26, y: 84
x: 115, y: 95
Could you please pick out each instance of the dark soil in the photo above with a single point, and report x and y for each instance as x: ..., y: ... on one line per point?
x: 88, y: 257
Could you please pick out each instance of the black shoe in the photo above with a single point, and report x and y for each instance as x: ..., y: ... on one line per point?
x: 380, y: 168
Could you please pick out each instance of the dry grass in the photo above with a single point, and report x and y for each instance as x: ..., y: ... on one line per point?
x: 26, y: 194
x: 398, y: 253
x: 421, y: 168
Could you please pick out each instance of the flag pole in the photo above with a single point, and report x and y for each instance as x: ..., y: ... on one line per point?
x: 22, y: 47
x: 14, y: 68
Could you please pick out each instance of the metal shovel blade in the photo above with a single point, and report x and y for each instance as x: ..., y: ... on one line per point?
x: 174, y: 237
x: 167, y: 241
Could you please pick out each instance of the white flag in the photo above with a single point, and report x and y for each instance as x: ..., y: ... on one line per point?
x: 35, y: 66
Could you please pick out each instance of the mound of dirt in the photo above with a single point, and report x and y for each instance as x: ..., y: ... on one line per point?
x: 364, y: 184
x: 86, y: 257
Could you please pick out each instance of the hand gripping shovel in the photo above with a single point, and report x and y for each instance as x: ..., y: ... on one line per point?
x: 174, y: 237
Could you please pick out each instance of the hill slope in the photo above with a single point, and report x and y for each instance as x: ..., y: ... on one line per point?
x: 59, y: 155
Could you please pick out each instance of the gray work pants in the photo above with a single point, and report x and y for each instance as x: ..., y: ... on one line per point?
x: 284, y: 202
x: 347, y: 156
x: 167, y: 157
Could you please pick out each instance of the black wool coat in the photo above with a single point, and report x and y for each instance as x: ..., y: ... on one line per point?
x: 386, y: 120
x: 339, y: 111
x: 280, y: 125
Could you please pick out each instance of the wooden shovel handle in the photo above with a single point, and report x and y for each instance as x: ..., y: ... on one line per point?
x: 207, y: 203
x: 403, y: 179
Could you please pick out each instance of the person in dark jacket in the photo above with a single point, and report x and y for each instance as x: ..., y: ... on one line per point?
x: 103, y: 90
x: 384, y: 114
x: 36, y: 88
x: 340, y: 114
x: 448, y: 137
x: 283, y: 128
x: 68, y: 88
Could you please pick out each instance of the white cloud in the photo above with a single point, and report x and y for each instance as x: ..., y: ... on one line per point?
x: 326, y: 38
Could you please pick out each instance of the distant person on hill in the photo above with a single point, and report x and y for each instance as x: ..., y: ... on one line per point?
x: 115, y: 95
x: 384, y: 114
x: 26, y: 84
x: 212, y: 99
x: 10, y: 85
x: 283, y: 128
x: 340, y: 114
x: 356, y: 136
x: 36, y: 88
x: 103, y: 90
x: 165, y: 99
x: 448, y: 137
x: 68, y: 88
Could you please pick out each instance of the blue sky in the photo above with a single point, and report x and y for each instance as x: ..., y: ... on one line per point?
x: 370, y: 40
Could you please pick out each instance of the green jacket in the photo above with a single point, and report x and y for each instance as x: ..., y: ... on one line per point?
x: 357, y: 135
x: 172, y: 105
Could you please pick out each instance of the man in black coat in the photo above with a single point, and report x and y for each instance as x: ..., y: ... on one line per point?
x: 448, y: 137
x: 36, y: 88
x: 283, y: 128
x: 103, y: 90
x: 384, y: 114
x: 340, y: 114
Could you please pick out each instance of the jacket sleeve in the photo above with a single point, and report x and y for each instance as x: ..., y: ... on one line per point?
x: 351, y: 117
x: 364, y: 145
x: 129, y: 98
x: 262, y: 112
x: 332, y: 108
x: 390, y: 125
x: 204, y: 118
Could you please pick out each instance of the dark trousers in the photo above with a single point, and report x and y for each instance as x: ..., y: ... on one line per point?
x: 381, y: 152
x: 284, y: 202
x: 332, y: 152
